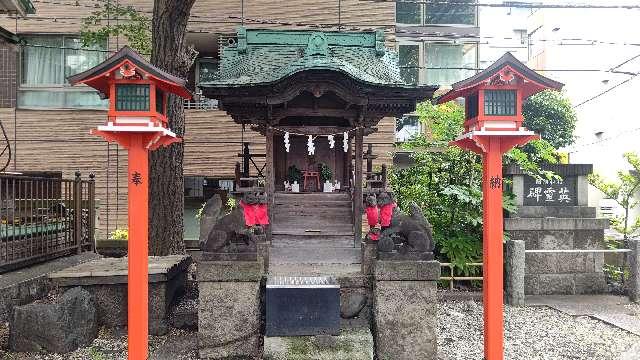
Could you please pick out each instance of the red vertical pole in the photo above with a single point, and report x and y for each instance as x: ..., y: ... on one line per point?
x: 138, y: 314
x: 492, y: 251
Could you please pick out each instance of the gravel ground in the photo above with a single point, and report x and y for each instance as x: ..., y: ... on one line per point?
x: 110, y: 345
x: 532, y: 333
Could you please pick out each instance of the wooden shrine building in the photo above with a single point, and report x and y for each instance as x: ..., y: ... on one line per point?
x: 305, y: 91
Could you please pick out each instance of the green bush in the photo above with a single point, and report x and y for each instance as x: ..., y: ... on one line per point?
x: 446, y: 182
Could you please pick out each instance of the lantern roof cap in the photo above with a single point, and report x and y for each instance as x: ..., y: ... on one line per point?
x: 536, y: 81
x: 97, y: 76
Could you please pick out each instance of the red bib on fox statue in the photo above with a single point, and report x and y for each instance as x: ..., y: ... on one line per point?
x: 261, y: 214
x: 386, y: 205
x: 372, y: 211
x: 249, y: 213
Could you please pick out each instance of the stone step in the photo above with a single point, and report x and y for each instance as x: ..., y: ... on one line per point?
x: 326, y: 220
x: 303, y: 255
x: 313, y: 196
x: 310, y: 203
x: 312, y: 241
x: 350, y: 344
x: 321, y: 213
x: 346, y: 274
x: 317, y: 229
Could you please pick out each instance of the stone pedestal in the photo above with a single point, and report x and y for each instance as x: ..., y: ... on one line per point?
x: 369, y: 255
x: 405, y: 309
x: 553, y: 215
x: 229, y: 309
x: 106, y: 280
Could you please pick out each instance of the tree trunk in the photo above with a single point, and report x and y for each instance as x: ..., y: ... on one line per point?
x: 166, y: 200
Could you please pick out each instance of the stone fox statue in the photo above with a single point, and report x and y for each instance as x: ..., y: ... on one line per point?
x: 407, y: 233
x: 230, y: 233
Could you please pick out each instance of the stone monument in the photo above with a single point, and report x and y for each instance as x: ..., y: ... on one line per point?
x: 554, y: 215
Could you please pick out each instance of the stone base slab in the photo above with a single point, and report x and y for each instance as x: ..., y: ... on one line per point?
x: 106, y: 280
x: 350, y: 344
x: 229, y: 310
x: 405, y: 315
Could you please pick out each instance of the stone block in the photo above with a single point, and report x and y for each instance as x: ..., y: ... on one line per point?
x: 541, y: 263
x: 558, y: 224
x: 522, y: 224
x: 556, y: 284
x: 531, y: 284
x: 529, y: 212
x: 111, y: 304
x: 515, y: 269
x: 592, y: 224
x: 555, y: 240
x: 634, y: 268
x: 350, y: 344
x: 530, y: 238
x: 588, y: 239
x: 63, y: 326
x: 405, y: 326
x: 229, y: 320
x: 590, y: 283
x: 369, y: 255
x: 232, y: 271
x: 407, y: 270
x: 352, y: 302
x: 572, y: 263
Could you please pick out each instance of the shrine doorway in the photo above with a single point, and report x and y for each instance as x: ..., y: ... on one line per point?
x: 334, y: 159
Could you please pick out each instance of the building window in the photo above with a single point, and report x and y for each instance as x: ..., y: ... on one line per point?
x: 436, y: 14
x: 132, y: 97
x: 409, y: 61
x: 449, y: 63
x: 407, y: 127
x: 408, y: 13
x: 450, y: 14
x: 47, y: 61
x: 500, y: 102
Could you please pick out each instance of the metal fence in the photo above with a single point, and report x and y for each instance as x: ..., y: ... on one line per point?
x: 451, y: 277
x: 42, y: 218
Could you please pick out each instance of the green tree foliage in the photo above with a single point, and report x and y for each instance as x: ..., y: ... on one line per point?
x: 551, y: 115
x: 623, y: 192
x: 446, y: 183
x: 134, y: 26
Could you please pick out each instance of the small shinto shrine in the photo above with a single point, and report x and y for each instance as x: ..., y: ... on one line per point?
x: 493, y: 126
x: 315, y: 96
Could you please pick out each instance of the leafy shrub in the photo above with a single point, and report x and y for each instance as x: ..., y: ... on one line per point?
x: 119, y: 234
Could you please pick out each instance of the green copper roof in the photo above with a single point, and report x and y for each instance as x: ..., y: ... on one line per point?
x: 266, y: 56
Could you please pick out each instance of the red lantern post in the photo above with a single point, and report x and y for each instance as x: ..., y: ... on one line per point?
x: 493, y: 126
x: 137, y: 93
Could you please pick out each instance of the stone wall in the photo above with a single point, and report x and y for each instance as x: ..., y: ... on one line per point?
x: 554, y: 225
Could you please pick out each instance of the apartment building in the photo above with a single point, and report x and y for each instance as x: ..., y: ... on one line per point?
x: 48, y: 121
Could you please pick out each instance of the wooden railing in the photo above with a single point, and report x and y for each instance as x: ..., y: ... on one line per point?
x: 44, y: 217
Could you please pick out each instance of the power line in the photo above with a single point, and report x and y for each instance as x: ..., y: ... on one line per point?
x: 619, y: 135
x: 606, y: 91
x: 509, y: 4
